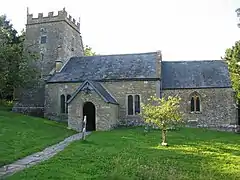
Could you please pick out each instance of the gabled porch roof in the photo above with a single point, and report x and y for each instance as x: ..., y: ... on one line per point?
x: 98, y: 88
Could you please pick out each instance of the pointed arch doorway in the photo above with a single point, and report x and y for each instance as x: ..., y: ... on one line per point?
x: 90, y: 111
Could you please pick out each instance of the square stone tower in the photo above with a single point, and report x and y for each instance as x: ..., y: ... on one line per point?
x: 55, y: 38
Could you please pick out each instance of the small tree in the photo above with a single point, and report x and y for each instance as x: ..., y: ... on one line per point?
x: 162, y: 113
x: 88, y: 51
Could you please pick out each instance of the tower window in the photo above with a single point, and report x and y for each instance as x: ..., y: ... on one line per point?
x: 72, y: 44
x: 43, y: 39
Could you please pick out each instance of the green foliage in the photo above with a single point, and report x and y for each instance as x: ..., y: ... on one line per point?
x: 6, y: 105
x: 88, y: 51
x: 127, y: 154
x: 7, y: 33
x: 15, y: 69
x: 232, y: 57
x: 162, y: 112
x: 22, y: 135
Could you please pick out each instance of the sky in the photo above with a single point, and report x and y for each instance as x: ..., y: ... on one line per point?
x: 181, y: 29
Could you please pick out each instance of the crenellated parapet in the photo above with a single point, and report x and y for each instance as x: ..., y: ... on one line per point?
x: 62, y: 15
x: 238, y: 12
x: 238, y: 16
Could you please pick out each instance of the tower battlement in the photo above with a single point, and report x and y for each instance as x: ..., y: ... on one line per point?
x: 238, y: 12
x: 62, y: 15
x: 238, y: 16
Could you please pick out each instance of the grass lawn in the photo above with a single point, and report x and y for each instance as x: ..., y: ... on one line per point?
x: 23, y: 135
x: 129, y: 154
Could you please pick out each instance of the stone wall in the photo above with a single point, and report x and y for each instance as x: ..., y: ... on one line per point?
x: 119, y: 90
x: 63, y: 40
x: 106, y: 114
x: 217, y: 107
x: 52, y: 99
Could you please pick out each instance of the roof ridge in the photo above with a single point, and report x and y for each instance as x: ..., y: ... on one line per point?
x: 179, y: 61
x: 119, y: 54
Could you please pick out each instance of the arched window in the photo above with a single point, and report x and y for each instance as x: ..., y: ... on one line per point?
x: 137, y: 104
x: 68, y: 97
x: 192, y: 104
x: 130, y: 105
x: 62, y: 99
x: 133, y: 104
x: 195, y: 102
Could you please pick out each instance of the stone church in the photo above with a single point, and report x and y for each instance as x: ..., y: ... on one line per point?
x: 109, y: 89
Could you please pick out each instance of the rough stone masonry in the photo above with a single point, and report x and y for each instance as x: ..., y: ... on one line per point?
x: 109, y: 89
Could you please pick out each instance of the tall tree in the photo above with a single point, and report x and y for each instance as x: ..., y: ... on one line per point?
x: 232, y: 57
x: 88, y: 51
x: 15, y: 70
x: 7, y: 33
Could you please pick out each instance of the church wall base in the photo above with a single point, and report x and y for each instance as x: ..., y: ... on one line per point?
x: 31, y: 111
x: 56, y: 117
x: 226, y: 127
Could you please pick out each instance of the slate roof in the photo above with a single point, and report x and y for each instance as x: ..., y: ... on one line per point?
x: 108, y: 67
x: 99, y: 89
x: 195, y: 74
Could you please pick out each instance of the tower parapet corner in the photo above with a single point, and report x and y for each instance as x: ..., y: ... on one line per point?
x: 62, y: 13
x: 159, y: 55
x: 29, y: 17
